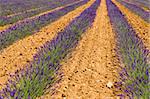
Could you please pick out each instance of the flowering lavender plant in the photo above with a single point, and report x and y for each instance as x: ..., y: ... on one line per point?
x: 132, y: 53
x: 33, y: 81
x: 144, y: 3
x: 137, y: 10
x: 42, y: 6
x: 31, y: 26
x: 10, y: 7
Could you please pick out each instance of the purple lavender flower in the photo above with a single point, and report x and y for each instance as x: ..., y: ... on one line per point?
x: 12, y: 93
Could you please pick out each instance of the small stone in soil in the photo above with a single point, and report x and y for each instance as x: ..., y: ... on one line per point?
x: 109, y: 84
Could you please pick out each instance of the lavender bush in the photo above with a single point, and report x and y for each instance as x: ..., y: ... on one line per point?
x: 132, y: 53
x: 41, y: 74
x: 137, y: 10
x: 31, y: 26
x: 42, y: 5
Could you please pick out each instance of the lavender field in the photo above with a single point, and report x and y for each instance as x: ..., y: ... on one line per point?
x: 74, y: 49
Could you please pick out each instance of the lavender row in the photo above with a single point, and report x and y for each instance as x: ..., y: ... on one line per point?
x: 40, y: 74
x: 15, y: 6
x: 31, y: 26
x: 137, y: 10
x: 132, y: 53
x: 4, y: 20
x: 141, y: 3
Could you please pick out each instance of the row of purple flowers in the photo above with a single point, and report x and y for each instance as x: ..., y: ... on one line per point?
x: 31, y: 26
x: 41, y: 73
x: 137, y: 10
x: 132, y: 53
x: 42, y: 6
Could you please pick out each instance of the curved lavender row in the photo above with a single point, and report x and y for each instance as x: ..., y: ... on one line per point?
x: 31, y: 26
x: 21, y: 16
x: 41, y: 73
x: 137, y: 10
x: 133, y: 55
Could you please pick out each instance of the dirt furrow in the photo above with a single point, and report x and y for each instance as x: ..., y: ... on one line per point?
x: 141, y: 27
x: 53, y: 9
x: 92, y: 68
x: 11, y: 15
x: 21, y: 52
x: 2, y: 28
